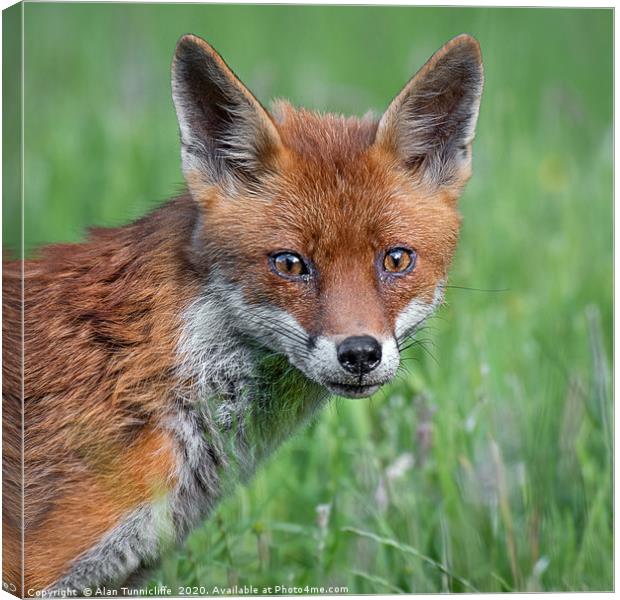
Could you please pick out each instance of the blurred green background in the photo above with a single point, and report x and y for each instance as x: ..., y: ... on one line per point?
x: 489, y: 465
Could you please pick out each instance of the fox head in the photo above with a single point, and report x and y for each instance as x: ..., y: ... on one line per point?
x: 331, y: 236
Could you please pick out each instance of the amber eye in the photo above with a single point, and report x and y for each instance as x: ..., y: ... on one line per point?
x: 289, y: 264
x: 399, y: 260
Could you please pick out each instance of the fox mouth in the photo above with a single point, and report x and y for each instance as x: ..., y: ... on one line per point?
x: 352, y: 390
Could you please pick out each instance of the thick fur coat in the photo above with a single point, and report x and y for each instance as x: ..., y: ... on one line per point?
x: 155, y: 365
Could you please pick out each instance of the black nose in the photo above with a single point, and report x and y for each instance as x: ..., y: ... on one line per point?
x: 359, y: 354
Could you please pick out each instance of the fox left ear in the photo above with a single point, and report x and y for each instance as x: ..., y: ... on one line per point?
x: 430, y: 125
x: 227, y: 137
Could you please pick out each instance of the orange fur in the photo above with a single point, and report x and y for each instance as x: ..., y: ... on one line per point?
x: 101, y: 325
x: 142, y: 473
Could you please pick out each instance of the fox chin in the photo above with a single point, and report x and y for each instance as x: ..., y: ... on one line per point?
x: 166, y: 358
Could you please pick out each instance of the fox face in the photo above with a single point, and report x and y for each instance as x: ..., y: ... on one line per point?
x: 332, y: 237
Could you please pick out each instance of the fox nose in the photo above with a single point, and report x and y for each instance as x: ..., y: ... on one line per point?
x: 359, y: 354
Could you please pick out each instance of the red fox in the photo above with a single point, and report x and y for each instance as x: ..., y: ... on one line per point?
x: 163, y: 360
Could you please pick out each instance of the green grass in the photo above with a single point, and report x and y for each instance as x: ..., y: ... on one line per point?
x: 506, y: 406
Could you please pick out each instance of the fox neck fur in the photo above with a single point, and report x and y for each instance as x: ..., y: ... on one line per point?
x: 207, y: 403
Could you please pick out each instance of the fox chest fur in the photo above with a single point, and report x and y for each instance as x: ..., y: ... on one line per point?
x: 160, y: 362
x: 168, y: 407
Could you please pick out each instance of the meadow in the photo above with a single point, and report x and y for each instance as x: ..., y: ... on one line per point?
x: 488, y: 464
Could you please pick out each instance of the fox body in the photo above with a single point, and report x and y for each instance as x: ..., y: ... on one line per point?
x: 164, y: 359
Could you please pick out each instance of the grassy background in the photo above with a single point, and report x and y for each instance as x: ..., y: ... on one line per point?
x: 489, y: 465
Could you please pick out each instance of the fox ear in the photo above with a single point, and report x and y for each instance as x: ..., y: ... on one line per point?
x: 430, y: 125
x: 227, y: 137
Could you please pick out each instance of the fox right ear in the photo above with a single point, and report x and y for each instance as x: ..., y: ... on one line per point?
x: 227, y: 137
x: 430, y: 125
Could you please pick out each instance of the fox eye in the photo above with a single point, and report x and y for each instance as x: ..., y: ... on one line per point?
x: 289, y: 265
x: 399, y: 260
